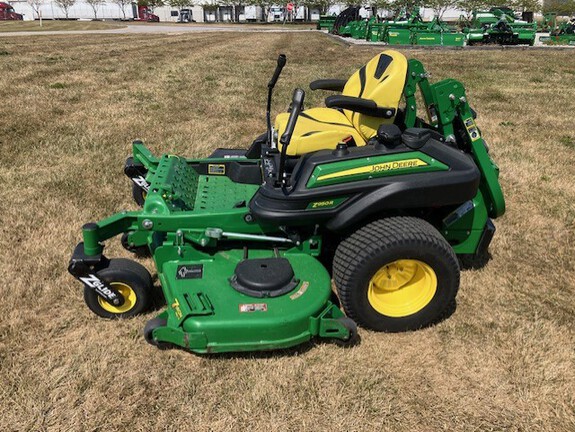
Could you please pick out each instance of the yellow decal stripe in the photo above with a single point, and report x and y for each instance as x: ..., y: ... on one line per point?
x: 376, y: 168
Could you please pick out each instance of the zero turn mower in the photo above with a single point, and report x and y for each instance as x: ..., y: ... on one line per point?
x: 364, y: 191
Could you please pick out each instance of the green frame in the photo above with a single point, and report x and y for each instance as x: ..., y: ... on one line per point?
x: 444, y: 101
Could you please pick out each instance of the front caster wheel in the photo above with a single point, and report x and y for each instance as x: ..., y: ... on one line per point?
x: 133, y: 282
x: 396, y: 274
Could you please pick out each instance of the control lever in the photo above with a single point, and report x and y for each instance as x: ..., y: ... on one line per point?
x: 281, y: 63
x: 297, y: 103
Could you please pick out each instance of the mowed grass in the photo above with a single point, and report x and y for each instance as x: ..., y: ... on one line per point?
x: 505, y: 360
x: 48, y: 25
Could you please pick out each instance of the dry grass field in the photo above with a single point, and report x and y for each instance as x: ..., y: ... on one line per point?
x: 504, y: 361
x: 47, y: 25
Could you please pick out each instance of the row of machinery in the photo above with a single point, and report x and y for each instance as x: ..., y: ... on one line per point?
x: 496, y: 26
x: 409, y: 29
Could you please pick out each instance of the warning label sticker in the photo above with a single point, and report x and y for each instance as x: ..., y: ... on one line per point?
x: 300, y: 291
x: 253, y: 307
x: 216, y: 169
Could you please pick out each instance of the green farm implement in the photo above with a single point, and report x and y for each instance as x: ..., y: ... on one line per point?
x: 347, y: 22
x: 499, y: 26
x: 548, y: 22
x: 415, y: 31
x: 326, y: 22
x: 381, y: 195
x: 409, y: 30
x: 564, y: 34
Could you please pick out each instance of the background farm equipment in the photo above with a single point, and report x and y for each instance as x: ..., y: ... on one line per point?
x: 344, y: 22
x: 415, y: 31
x: 410, y: 29
x: 548, y: 23
x: 499, y: 26
x: 326, y: 22
x: 563, y: 35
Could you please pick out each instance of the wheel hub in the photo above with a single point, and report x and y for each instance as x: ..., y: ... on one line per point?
x: 402, y: 288
x: 129, y: 299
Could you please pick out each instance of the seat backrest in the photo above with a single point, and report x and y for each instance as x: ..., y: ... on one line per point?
x: 382, y: 80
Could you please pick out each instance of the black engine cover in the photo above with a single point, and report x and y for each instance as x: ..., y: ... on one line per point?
x: 360, y: 199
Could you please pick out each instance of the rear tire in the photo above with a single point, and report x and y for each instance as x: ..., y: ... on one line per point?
x: 396, y: 274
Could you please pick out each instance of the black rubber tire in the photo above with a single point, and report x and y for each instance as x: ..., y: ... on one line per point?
x: 368, y: 249
x: 130, y: 273
x: 138, y: 194
x: 150, y: 326
x: 138, y: 251
x: 133, y: 266
x: 353, y: 338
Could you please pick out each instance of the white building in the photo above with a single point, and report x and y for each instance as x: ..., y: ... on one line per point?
x: 109, y: 10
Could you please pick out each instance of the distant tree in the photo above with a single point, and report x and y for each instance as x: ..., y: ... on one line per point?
x: 236, y: 6
x: 440, y: 6
x: 151, y: 4
x: 212, y: 6
x: 265, y: 5
x: 122, y: 5
x: 181, y: 4
x: 376, y: 5
x: 561, y: 7
x: 400, y: 7
x: 95, y: 5
x: 65, y: 5
x: 322, y: 5
x: 468, y: 6
x: 36, y: 5
x: 525, y: 5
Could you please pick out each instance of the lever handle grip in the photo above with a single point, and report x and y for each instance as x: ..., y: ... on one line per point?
x: 281, y: 63
x: 297, y: 103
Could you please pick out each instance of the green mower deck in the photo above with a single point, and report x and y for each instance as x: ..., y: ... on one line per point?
x: 193, y: 287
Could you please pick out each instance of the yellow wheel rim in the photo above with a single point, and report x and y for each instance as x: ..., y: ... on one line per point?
x: 144, y: 194
x: 402, y: 288
x: 129, y: 299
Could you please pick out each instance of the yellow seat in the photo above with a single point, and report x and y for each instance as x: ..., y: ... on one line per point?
x: 381, y: 80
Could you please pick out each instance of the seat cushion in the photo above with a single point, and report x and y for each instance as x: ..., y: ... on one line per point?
x: 317, y: 129
x: 382, y: 80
